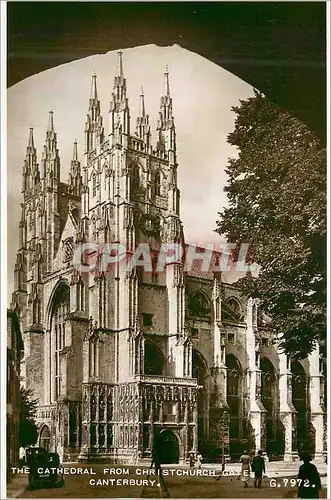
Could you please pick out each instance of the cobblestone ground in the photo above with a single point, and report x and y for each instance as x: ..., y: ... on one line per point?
x: 78, y: 486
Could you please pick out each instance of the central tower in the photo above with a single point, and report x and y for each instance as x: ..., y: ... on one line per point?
x: 137, y: 314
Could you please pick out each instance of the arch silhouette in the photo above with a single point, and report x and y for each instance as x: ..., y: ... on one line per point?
x: 199, y: 366
x: 61, y: 286
x: 234, y: 395
x: 200, y: 372
x: 44, y: 437
x: 234, y: 304
x: 268, y: 399
x: 169, y: 447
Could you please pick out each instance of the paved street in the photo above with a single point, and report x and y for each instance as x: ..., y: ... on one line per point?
x: 131, y: 485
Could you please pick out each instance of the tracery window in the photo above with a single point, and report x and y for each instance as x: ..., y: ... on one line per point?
x: 134, y: 181
x: 268, y: 394
x: 94, y: 185
x: 199, y: 305
x: 157, y: 183
x: 234, y: 395
x: 59, y: 313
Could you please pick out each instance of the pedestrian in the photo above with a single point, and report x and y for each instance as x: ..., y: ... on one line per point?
x: 192, y: 460
x: 309, y: 481
x: 266, y: 462
x: 258, y: 467
x: 156, y: 461
x: 199, y: 460
x: 245, y: 467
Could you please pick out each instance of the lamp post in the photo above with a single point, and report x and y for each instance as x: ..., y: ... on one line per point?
x: 223, y: 457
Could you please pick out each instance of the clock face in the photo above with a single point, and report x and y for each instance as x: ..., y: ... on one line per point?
x: 150, y: 224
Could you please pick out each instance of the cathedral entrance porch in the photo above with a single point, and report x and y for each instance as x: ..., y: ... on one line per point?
x: 169, y: 447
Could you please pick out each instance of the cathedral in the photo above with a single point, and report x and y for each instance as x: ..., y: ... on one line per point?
x: 116, y: 356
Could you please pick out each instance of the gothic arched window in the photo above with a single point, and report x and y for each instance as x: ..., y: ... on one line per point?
x: 199, y: 304
x: 80, y: 296
x: 268, y: 399
x: 234, y: 395
x: 299, y: 399
x: 61, y: 307
x: 154, y: 359
x: 231, y: 310
x: 157, y: 183
x: 94, y: 185
x: 134, y: 180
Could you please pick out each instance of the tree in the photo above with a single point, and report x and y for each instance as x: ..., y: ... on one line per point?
x: 28, y: 433
x: 277, y: 204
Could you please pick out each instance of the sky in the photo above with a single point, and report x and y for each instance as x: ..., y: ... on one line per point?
x: 203, y: 94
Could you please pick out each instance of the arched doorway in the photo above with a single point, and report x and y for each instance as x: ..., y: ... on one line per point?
x: 153, y: 360
x: 268, y: 395
x: 44, y: 438
x: 299, y: 400
x: 199, y: 371
x: 169, y: 447
x: 234, y: 399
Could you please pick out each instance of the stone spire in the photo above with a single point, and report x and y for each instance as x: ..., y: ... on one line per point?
x: 75, y: 177
x: 31, y: 175
x: 166, y: 88
x: 50, y: 156
x: 75, y: 152
x: 94, y: 131
x: 94, y: 91
x: 119, y: 115
x: 165, y: 123
x: 50, y: 127
x: 119, y: 65
x: 142, y: 102
x: 143, y: 127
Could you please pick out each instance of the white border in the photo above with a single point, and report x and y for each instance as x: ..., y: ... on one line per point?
x: 328, y: 337
x: 3, y: 251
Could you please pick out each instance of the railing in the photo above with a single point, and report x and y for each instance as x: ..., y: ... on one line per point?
x: 159, y: 379
x: 46, y: 411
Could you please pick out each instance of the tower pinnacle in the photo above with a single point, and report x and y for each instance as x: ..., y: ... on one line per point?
x: 142, y: 102
x: 94, y: 92
x: 50, y: 127
x: 31, y: 141
x: 119, y: 65
x: 75, y: 177
x: 143, y: 127
x: 119, y: 115
x: 166, y: 89
x: 165, y: 123
x: 75, y: 152
x: 94, y: 132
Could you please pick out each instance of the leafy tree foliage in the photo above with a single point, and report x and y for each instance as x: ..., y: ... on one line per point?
x: 277, y: 204
x: 28, y: 433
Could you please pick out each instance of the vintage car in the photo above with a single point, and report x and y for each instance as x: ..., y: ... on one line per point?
x: 43, y: 468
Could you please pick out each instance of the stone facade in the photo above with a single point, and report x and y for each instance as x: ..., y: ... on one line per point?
x: 114, y: 356
x: 15, y: 350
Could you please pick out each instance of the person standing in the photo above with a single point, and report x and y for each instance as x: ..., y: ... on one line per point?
x: 199, y: 460
x: 258, y: 467
x: 156, y: 461
x: 266, y: 462
x: 310, y: 484
x: 245, y: 467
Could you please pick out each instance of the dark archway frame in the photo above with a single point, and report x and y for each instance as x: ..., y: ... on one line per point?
x: 277, y: 47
